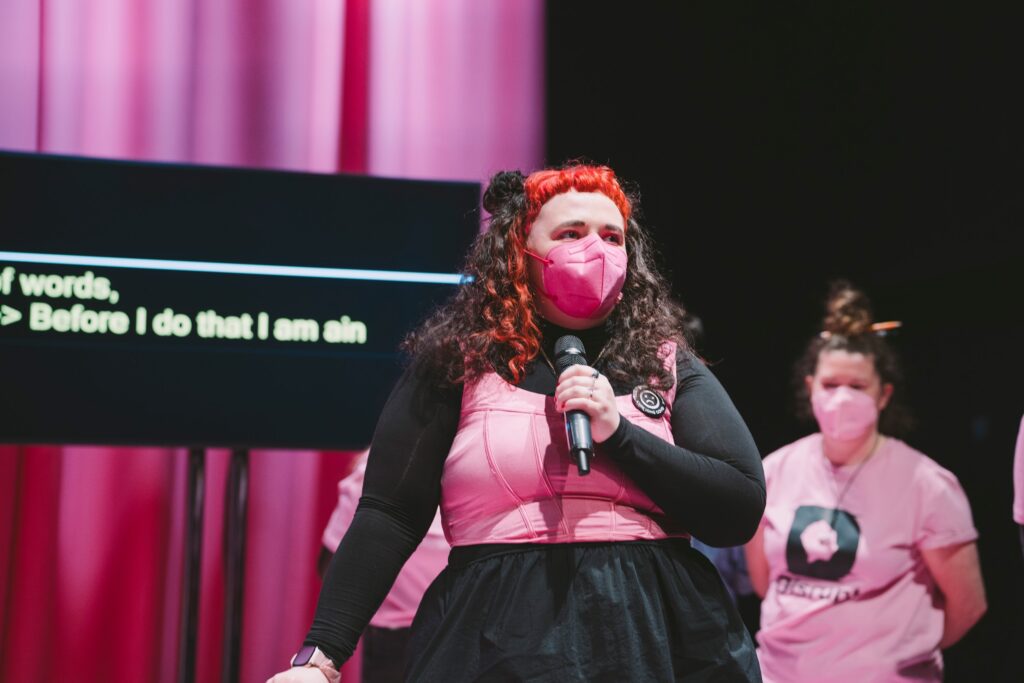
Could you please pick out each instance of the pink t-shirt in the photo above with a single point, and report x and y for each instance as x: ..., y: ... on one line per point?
x: 400, y: 605
x: 849, y: 597
x: 1018, y: 477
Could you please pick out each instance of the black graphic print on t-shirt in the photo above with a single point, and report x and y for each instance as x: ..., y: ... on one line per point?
x: 822, y: 543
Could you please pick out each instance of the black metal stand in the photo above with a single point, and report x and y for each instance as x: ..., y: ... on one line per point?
x: 236, y: 502
x: 192, y: 560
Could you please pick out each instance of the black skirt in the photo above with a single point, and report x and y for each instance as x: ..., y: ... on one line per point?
x: 623, y: 611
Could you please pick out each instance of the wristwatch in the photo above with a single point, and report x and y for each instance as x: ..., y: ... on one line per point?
x: 312, y: 656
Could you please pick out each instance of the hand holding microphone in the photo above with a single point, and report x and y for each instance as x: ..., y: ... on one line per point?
x: 587, y: 399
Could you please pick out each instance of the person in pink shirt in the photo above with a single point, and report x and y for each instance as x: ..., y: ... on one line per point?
x: 385, y: 639
x: 1018, y: 483
x: 865, y: 557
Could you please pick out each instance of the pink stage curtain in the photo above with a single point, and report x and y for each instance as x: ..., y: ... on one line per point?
x: 486, y: 57
x: 91, y: 537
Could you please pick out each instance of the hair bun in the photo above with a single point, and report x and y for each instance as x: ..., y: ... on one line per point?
x: 847, y: 311
x: 505, y: 186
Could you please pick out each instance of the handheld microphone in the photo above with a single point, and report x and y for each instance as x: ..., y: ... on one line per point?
x: 569, y: 351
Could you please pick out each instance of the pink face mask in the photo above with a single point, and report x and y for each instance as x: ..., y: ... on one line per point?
x: 583, y: 278
x: 844, y: 414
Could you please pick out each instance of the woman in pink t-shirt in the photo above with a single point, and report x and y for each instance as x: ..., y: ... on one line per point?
x: 1018, y: 483
x: 866, y: 556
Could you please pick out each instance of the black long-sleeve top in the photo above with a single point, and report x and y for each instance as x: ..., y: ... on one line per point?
x: 710, y: 481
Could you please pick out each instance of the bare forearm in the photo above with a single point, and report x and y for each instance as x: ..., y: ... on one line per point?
x: 757, y: 565
x: 957, y: 574
x: 960, y: 617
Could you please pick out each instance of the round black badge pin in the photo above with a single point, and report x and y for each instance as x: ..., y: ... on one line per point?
x: 648, y: 401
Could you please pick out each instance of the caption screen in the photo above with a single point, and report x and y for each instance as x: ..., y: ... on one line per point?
x: 184, y: 305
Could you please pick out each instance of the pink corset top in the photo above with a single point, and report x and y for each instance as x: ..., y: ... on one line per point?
x: 508, y: 476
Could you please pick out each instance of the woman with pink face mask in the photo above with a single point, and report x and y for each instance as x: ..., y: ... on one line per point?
x: 560, y: 570
x: 865, y: 558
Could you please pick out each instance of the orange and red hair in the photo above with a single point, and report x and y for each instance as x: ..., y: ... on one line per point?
x: 543, y: 185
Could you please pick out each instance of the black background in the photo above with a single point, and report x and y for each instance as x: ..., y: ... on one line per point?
x: 778, y: 147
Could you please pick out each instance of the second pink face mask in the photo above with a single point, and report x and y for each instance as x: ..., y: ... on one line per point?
x: 844, y: 414
x: 583, y: 278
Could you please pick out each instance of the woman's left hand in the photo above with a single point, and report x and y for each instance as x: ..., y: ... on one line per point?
x: 582, y: 387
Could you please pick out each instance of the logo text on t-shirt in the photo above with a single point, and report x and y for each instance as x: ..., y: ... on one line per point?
x: 791, y: 585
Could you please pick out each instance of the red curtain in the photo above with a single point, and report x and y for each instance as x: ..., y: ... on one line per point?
x: 90, y: 583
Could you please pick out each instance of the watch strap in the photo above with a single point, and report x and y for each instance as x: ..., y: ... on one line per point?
x: 312, y: 656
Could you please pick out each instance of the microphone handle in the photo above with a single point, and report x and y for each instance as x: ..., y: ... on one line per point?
x: 581, y: 443
x: 582, y: 462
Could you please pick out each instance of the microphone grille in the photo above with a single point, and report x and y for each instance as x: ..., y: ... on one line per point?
x: 569, y: 350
